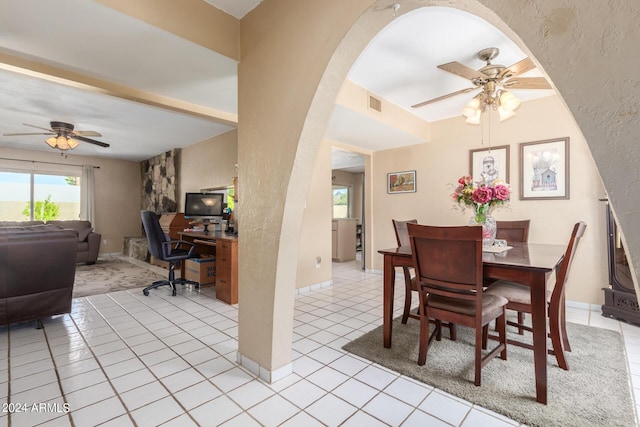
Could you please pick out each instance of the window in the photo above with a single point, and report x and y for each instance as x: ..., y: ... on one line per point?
x: 38, y: 196
x: 341, y: 198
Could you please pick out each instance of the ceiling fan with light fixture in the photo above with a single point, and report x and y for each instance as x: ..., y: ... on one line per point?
x: 493, y: 80
x: 64, y: 136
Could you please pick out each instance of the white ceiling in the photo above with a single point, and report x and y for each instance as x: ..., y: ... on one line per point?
x: 399, y: 65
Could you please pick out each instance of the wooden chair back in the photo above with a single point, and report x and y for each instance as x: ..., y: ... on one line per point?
x: 402, y: 234
x: 562, y: 272
x: 448, y: 261
x: 513, y: 231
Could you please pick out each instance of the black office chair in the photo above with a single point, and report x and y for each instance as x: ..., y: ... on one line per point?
x: 164, y: 249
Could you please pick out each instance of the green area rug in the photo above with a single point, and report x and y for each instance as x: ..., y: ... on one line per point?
x: 115, y: 273
x: 596, y: 390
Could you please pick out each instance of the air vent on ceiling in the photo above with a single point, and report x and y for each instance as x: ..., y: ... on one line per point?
x: 375, y: 104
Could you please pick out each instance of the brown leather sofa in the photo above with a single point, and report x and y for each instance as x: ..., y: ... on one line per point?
x: 37, y: 271
x: 88, y: 240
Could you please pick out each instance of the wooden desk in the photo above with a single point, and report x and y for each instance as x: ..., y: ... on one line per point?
x: 225, y: 249
x: 528, y: 264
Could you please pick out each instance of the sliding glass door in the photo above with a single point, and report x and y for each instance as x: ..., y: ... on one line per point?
x: 36, y: 196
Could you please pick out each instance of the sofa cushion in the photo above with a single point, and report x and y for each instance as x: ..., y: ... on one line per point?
x: 76, y: 224
x: 83, y: 228
x: 83, y: 234
x: 19, y: 223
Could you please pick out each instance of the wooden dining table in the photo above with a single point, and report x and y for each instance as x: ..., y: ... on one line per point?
x: 529, y: 264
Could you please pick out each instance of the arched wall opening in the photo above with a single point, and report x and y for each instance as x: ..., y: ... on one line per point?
x: 314, y: 66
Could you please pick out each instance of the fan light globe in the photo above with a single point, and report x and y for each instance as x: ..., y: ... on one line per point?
x: 62, y: 143
x: 472, y: 108
x: 508, y: 101
x: 72, y: 143
x: 504, y: 114
x: 51, y: 141
x: 475, y: 119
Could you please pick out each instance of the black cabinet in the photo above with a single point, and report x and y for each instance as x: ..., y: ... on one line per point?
x: 620, y: 300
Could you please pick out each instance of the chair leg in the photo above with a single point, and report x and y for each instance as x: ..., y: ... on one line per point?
x: 478, y: 361
x: 556, y: 339
x: 521, y: 322
x: 424, y: 330
x: 502, y: 333
x: 453, y: 335
x: 407, y: 295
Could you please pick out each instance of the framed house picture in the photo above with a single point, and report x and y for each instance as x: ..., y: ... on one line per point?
x: 401, y: 182
x: 544, y: 169
x: 489, y: 164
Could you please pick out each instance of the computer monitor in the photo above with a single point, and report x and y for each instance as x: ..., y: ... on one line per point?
x: 204, y: 206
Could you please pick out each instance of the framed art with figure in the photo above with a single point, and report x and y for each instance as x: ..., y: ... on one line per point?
x: 488, y: 164
x: 401, y: 182
x: 544, y: 169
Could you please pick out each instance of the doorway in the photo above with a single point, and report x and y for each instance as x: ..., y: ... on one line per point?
x: 348, y: 194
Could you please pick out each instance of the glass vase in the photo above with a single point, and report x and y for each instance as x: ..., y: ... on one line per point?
x: 489, y: 226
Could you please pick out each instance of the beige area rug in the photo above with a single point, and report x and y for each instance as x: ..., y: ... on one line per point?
x: 594, y: 392
x: 115, y: 273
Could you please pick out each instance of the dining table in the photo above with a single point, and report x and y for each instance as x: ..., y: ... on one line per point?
x: 529, y: 264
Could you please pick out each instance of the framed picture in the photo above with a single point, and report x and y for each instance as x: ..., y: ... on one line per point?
x: 544, y: 169
x: 489, y: 164
x: 401, y: 182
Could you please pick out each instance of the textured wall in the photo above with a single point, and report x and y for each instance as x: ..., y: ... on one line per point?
x: 160, y: 182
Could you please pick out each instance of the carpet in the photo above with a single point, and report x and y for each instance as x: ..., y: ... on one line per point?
x: 594, y: 392
x: 114, y: 273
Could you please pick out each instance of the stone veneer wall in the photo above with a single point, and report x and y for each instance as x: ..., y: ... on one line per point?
x: 160, y: 187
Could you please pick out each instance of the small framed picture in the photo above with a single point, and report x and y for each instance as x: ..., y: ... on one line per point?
x: 489, y: 164
x: 544, y: 169
x: 401, y: 182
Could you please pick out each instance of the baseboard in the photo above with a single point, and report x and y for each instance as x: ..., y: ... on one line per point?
x: 263, y: 373
x: 313, y: 287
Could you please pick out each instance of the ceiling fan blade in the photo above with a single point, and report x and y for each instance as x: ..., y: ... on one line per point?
x: 86, y: 133
x: 38, y: 127
x: 440, y: 98
x: 20, y: 134
x: 461, y: 70
x: 521, y: 67
x: 91, y: 141
x: 527, y: 83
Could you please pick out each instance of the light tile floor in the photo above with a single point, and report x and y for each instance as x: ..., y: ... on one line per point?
x: 122, y: 359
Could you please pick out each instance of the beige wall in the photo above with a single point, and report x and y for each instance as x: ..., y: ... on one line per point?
x: 440, y: 163
x: 117, y: 192
x: 315, y: 235
x: 209, y: 164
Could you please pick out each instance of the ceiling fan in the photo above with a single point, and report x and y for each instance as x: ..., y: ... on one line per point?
x: 493, y: 79
x: 65, y: 136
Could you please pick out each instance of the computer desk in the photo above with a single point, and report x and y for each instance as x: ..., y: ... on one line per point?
x: 225, y: 248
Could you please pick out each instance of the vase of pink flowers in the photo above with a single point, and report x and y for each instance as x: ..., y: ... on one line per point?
x: 482, y: 197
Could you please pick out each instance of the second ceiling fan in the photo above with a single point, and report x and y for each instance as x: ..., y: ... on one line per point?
x: 64, y: 136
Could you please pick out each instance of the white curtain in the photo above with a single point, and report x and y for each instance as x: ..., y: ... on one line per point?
x: 87, y: 195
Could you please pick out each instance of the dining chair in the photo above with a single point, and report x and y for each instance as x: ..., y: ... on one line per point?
x: 520, y: 300
x: 513, y: 231
x: 410, y: 282
x: 448, y: 263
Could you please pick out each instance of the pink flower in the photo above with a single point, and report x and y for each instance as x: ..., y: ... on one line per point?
x: 501, y: 192
x: 482, y: 195
x: 464, y: 180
